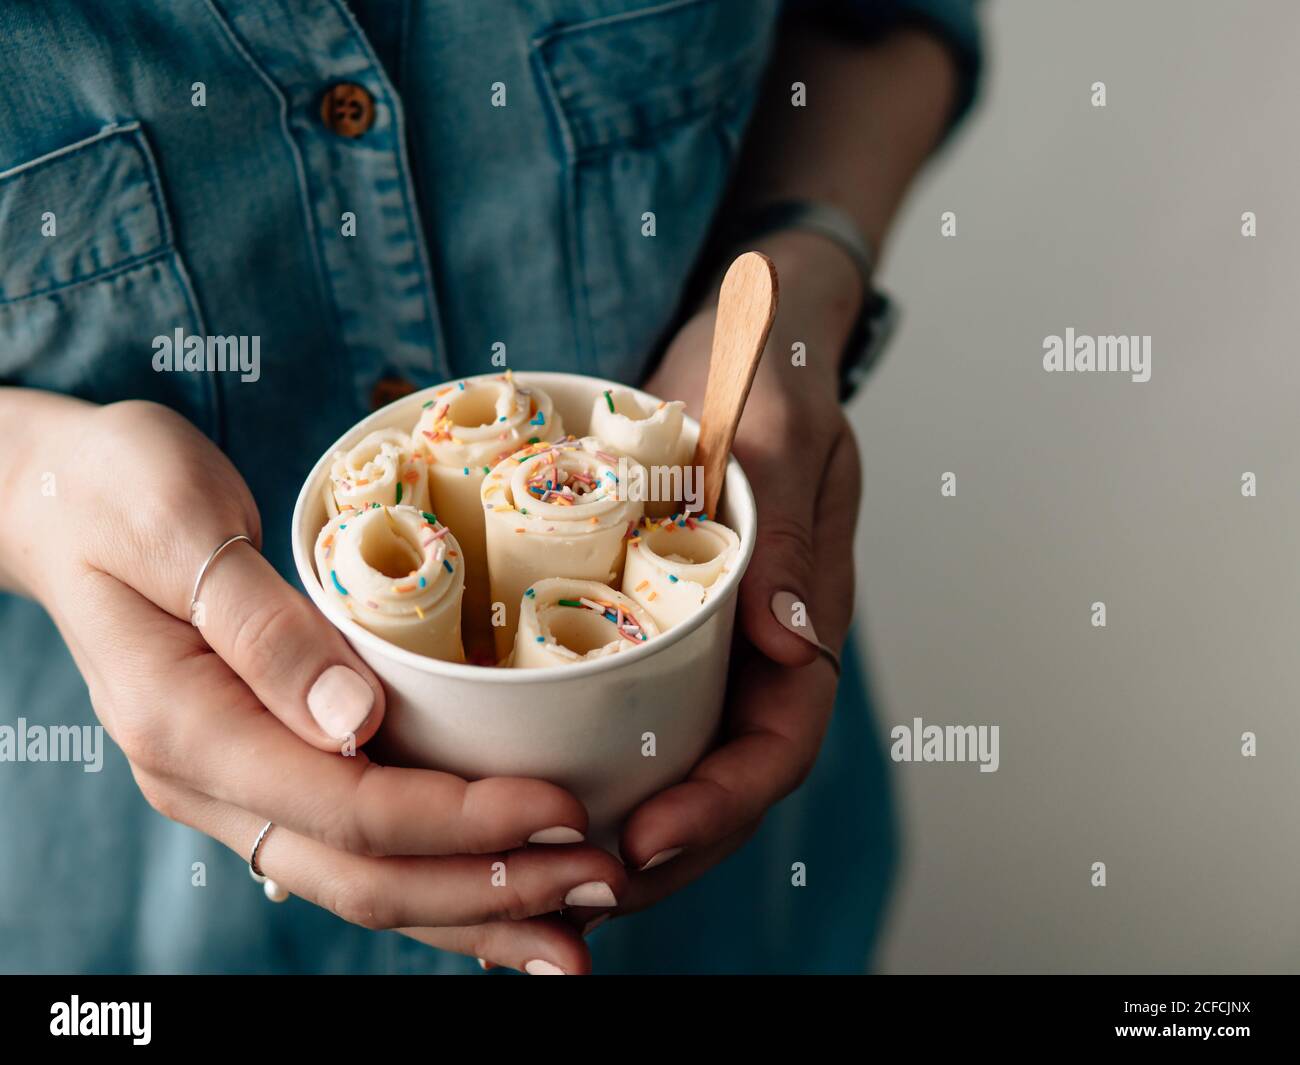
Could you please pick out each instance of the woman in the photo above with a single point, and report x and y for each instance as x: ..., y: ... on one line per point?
x: 376, y: 197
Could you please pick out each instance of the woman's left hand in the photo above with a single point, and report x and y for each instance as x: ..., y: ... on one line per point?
x: 801, y: 459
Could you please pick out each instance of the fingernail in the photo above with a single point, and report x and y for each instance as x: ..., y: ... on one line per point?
x: 484, y: 965
x: 594, y: 923
x: 592, y: 893
x: 558, y: 834
x: 537, y: 967
x: 340, y: 701
x: 791, y: 612
x: 661, y: 857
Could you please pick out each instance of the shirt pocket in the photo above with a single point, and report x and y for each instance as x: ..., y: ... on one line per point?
x: 649, y: 107
x: 89, y: 276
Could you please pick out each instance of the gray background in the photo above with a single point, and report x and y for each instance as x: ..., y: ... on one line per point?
x: 1119, y: 744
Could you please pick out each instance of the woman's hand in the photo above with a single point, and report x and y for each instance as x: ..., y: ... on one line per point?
x: 802, y: 462
x: 243, y: 719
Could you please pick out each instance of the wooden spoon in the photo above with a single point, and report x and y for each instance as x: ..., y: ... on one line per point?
x: 746, y: 308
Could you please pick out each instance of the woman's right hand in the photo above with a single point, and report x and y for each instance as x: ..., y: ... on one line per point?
x: 243, y: 719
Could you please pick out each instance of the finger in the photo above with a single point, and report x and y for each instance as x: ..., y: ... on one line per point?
x: 221, y: 742
x: 835, y: 525
x: 773, y: 604
x: 539, y: 946
x: 778, y: 716
x: 644, y: 889
x: 402, y: 892
x: 295, y: 661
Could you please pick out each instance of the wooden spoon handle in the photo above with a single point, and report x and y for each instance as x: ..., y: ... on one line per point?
x: 746, y: 308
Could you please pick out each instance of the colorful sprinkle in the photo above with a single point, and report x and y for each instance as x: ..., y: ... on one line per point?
x: 399, y: 494
x: 610, y: 400
x: 672, y: 578
x: 446, y: 565
x: 335, y: 578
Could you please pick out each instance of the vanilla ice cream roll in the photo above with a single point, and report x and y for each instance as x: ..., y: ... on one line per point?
x: 465, y: 430
x: 399, y: 573
x: 565, y: 621
x: 673, y: 564
x: 554, y: 510
x: 383, y: 468
x: 652, y: 434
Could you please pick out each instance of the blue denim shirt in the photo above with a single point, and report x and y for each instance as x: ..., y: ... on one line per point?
x: 179, y: 151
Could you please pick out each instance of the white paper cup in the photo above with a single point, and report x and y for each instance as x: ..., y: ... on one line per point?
x: 613, y: 731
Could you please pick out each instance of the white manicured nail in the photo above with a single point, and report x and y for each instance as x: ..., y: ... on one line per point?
x: 592, y: 893
x: 340, y: 701
x: 558, y: 834
x: 790, y: 611
x: 661, y: 857
x: 537, y: 967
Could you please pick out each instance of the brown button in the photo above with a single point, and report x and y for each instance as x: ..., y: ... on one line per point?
x: 347, y: 109
x: 388, y: 389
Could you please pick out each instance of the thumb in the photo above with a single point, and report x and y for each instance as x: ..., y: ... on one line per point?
x: 774, y: 611
x: 295, y: 661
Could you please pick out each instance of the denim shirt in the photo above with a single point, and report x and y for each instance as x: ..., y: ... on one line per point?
x: 167, y: 166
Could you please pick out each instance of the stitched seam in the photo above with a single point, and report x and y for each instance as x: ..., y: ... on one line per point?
x: 721, y: 108
x: 162, y: 243
x: 89, y: 279
x: 180, y: 273
x: 68, y: 150
x: 326, y: 292
x: 575, y: 264
x: 613, y: 20
x: 216, y: 406
x: 412, y: 212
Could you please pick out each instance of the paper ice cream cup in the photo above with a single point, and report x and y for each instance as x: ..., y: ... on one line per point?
x: 614, y: 730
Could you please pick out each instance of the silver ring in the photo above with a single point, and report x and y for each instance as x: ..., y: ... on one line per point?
x: 198, y: 581
x: 253, y: 870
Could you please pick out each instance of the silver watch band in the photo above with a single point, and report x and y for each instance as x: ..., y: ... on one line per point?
x: 824, y: 218
x: 879, y: 315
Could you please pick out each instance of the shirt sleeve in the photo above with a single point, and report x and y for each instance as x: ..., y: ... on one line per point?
x: 953, y: 21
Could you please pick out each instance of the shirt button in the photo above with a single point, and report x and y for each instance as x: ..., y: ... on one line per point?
x: 347, y: 109
x: 389, y: 389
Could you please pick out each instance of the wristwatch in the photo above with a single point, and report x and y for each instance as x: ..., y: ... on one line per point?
x: 879, y: 315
